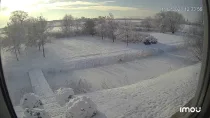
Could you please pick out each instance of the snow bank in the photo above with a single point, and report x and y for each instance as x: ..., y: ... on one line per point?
x: 63, y: 95
x: 30, y: 100
x: 81, y: 107
x: 36, y: 113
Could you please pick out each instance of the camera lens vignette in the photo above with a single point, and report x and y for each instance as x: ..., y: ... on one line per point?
x: 100, y: 58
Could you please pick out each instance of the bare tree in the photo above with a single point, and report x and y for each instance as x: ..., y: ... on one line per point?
x: 124, y: 31
x: 90, y: 27
x: 175, y: 20
x: 11, y: 42
x: 15, y: 32
x: 112, y: 26
x: 31, y: 25
x: 67, y: 24
x: 42, y: 33
x: 169, y: 21
x: 147, y: 23
x: 18, y: 16
x: 161, y: 22
x: 77, y: 25
x: 127, y: 30
x: 101, y: 27
x: 195, y: 37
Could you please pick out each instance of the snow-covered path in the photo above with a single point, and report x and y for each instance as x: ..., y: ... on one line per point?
x: 160, y: 97
x: 39, y: 84
x: 43, y: 90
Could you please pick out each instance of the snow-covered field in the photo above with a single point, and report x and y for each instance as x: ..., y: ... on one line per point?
x: 63, y: 50
x: 82, y: 59
x: 120, y: 74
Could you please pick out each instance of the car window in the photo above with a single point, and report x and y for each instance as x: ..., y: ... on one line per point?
x: 101, y: 59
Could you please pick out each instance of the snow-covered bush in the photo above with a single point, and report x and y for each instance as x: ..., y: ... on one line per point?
x: 63, y: 95
x: 81, y: 107
x: 36, y: 113
x: 30, y: 100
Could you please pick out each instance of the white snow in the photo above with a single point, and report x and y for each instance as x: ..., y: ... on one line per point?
x: 65, y: 56
x: 30, y: 100
x: 35, y: 113
x: 63, y: 95
x: 121, y: 74
x: 160, y: 97
x: 42, y: 88
x: 81, y: 107
x: 168, y: 39
x: 185, y: 28
x: 39, y: 83
x: 72, y: 53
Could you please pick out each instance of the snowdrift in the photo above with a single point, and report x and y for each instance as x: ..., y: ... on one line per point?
x: 36, y: 113
x: 81, y: 107
x: 30, y: 100
x: 63, y: 95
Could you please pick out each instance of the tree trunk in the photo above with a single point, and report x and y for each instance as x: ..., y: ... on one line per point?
x: 39, y: 47
x: 43, y: 50
x: 112, y: 38
x: 127, y: 39
x: 16, y: 54
x: 18, y: 51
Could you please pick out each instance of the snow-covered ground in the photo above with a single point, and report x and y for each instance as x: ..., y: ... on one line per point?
x: 140, y: 81
x: 168, y: 39
x: 120, y: 74
x: 77, y: 53
x: 63, y: 50
x: 160, y: 97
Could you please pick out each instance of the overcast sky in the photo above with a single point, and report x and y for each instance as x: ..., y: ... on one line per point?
x: 56, y: 9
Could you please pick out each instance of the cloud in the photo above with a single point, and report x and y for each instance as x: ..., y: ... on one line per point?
x: 42, y: 5
x: 77, y: 3
x: 83, y: 5
x: 98, y: 7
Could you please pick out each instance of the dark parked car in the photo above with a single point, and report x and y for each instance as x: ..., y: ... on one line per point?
x: 147, y: 42
x: 153, y: 41
x: 150, y: 40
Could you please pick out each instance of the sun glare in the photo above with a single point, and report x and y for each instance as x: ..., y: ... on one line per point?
x: 12, y: 5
